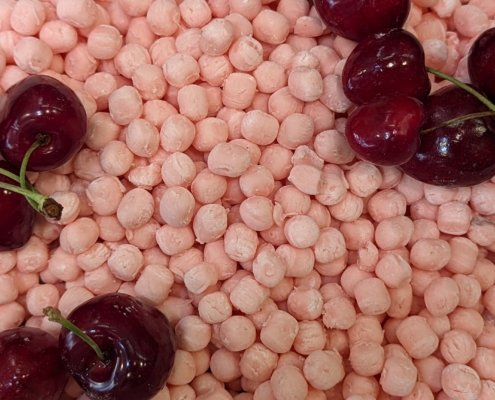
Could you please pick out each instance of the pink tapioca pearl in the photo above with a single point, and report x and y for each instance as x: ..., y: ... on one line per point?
x: 271, y: 27
x: 481, y: 231
x: 282, y: 104
x: 8, y: 289
x: 305, y: 303
x: 277, y: 159
x: 295, y: 130
x: 208, y: 187
x: 92, y: 258
x: 80, y: 14
x: 487, y: 6
x: 246, y: 54
x: 214, y: 69
x: 102, y: 18
x: 13, y: 315
x: 104, y: 42
x: 149, y: 81
x: 372, y: 296
x: 256, y: 181
x: 5, y: 12
x: 394, y: 232
x: 240, y: 242
x: 310, y: 338
x: 242, y: 26
x: 305, y: 83
x: 393, y: 270
x: 125, y: 262
x: 180, y: 70
x: 441, y: 296
x: 8, y: 40
x: 79, y: 236
x: 482, y: 363
x: 364, y: 178
x: 125, y: 104
x: 463, y: 255
x: 238, y: 90
x: 470, y: 20
x: 79, y: 64
x: 178, y: 170
x: 467, y: 319
x: 417, y: 337
x: 194, y: 110
x: 184, y: 368
x: 283, y: 55
x: 461, y: 382
x: 237, y: 333
x: 357, y: 233
x: 129, y: 57
x: 32, y: 55
x: 301, y: 231
x: 135, y: 209
x: 33, y: 256
x: 229, y: 160
x: 162, y: 49
x: 100, y: 86
x: 469, y: 290
x: 258, y: 362
x: 101, y: 130
x: 398, y: 377
x: 289, y: 381
x: 367, y: 358
x: 49, y: 182
x: 216, y: 37
x: 177, y: 206
x: 104, y: 194
x: 457, y: 347
x: 195, y: 13
x: 480, y: 198
x: 424, y: 229
x: 116, y: 158
x: 41, y: 296
x: 257, y: 212
x: 332, y: 147
x: 142, y: 138
x: 110, y: 228
x: 63, y: 265
x: 210, y: 223
x: 386, y: 204
x: 134, y: 9
x: 338, y: 313
x: 163, y: 17
x: 323, y: 369
x: 454, y: 218
x: 70, y: 203
x: 173, y: 241
x: 259, y: 127
x: 333, y: 96
x: 215, y: 308
x: 177, y: 133
x: 308, y: 26
x: 248, y: 295
x: 354, y: 383
x: 192, y: 333
x: 187, y: 42
x: 59, y: 36
x: 430, y: 254
x: 72, y: 298
x: 306, y: 178
x: 8, y: 261
x: 270, y: 77
x: 139, y: 32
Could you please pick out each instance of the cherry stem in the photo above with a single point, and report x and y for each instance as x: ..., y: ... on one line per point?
x: 41, y: 140
x: 55, y: 315
x: 462, y: 85
x: 41, y: 203
x: 460, y: 119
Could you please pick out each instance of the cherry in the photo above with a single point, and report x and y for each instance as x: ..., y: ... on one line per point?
x: 386, y: 131
x: 135, y: 342
x: 481, y: 63
x: 17, y: 216
x: 31, y: 365
x: 37, y: 106
x: 355, y: 20
x: 386, y: 63
x: 461, y: 153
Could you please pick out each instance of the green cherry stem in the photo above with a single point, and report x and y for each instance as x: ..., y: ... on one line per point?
x: 460, y: 119
x: 55, y: 315
x: 41, y: 140
x: 462, y: 85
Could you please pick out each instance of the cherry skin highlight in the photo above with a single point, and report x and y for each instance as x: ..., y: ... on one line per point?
x: 383, y: 64
x: 481, y: 63
x: 386, y: 131
x: 461, y: 154
x: 41, y: 105
x: 137, y: 340
x: 17, y: 216
x: 31, y: 365
x: 355, y: 20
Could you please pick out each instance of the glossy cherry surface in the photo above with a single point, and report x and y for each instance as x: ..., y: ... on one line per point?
x: 356, y: 19
x: 383, y: 64
x: 462, y: 154
x: 31, y: 367
x: 481, y: 63
x: 36, y: 105
x: 386, y: 131
x: 17, y: 216
x: 137, y: 339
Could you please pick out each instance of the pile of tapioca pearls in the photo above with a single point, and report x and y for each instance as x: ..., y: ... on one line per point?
x: 216, y: 184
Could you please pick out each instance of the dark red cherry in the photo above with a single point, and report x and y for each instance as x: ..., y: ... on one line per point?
x: 31, y: 367
x: 386, y: 63
x: 386, y: 131
x: 37, y: 105
x: 481, y: 63
x: 462, y: 154
x: 137, y: 340
x: 356, y: 19
x: 16, y: 216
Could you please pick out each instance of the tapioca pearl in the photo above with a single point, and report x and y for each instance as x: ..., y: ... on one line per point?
x: 180, y: 70
x: 104, y: 42
x: 125, y: 104
x: 80, y: 14
x: 116, y: 158
x: 238, y: 90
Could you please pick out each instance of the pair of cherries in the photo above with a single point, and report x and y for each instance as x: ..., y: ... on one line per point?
x: 445, y: 139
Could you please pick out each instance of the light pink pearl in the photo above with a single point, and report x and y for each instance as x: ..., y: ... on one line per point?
x: 72, y: 298
x: 194, y: 110
x: 215, y: 307
x: 13, y: 314
x: 463, y: 258
x: 100, y: 86
x: 195, y: 13
x: 238, y: 90
x: 32, y: 55
x: 125, y: 104
x: 140, y: 33
x: 135, y: 208
x: 115, y: 158
x: 41, y: 296
x: 129, y: 57
x: 79, y: 236
x: 237, y: 333
x: 27, y: 17
x: 457, y: 376
x: 92, y: 258
x: 180, y: 70
x: 104, y: 42
x: 470, y: 20
x: 248, y: 295
x: 210, y: 223
x: 271, y: 27
x: 163, y: 17
x: 398, y: 377
x: 258, y: 362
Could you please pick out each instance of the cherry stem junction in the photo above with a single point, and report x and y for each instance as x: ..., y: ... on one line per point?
x: 55, y: 315
x: 462, y: 85
x: 42, y: 204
